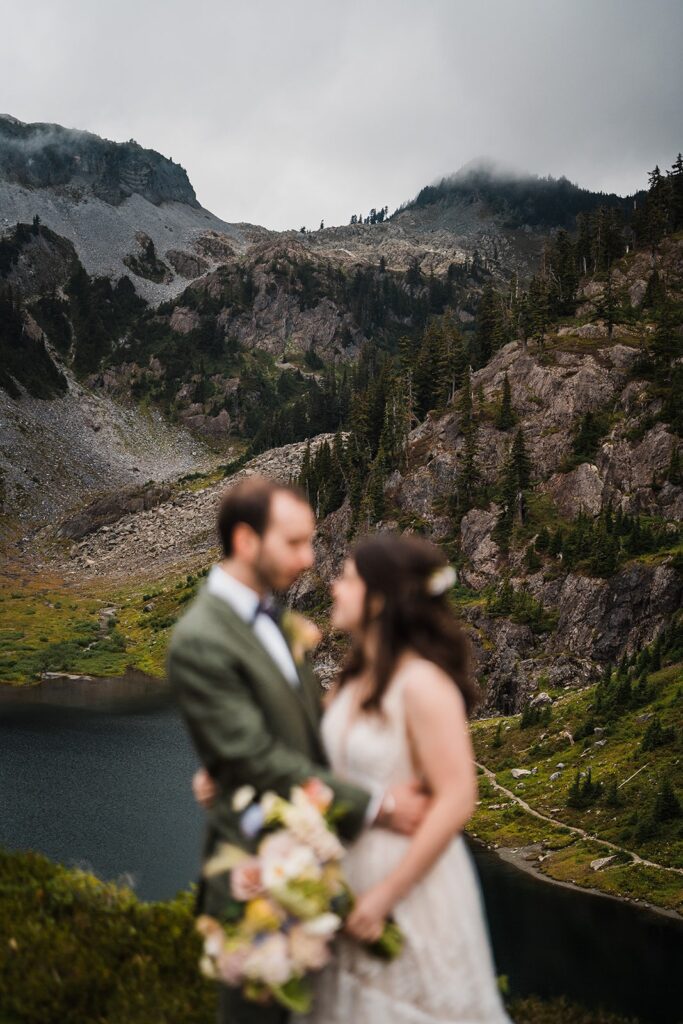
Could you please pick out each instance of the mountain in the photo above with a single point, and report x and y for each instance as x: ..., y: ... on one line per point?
x: 519, y: 199
x: 110, y: 200
x: 503, y: 216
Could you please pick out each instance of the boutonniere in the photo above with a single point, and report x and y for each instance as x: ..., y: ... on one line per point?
x: 301, y: 634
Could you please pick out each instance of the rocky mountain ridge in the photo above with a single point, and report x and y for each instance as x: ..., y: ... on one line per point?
x: 109, y: 200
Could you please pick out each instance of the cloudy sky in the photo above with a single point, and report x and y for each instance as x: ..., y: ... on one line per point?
x: 284, y: 112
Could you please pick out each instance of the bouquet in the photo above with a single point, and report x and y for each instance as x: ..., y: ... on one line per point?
x: 288, y: 899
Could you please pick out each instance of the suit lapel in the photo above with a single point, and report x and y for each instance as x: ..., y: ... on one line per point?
x: 301, y: 696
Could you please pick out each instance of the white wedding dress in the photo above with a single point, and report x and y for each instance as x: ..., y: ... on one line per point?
x: 445, y: 972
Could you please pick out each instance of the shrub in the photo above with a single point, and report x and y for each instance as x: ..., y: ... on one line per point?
x: 583, y: 791
x: 76, y: 949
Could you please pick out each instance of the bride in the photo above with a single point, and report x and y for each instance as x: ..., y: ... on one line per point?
x: 399, y: 709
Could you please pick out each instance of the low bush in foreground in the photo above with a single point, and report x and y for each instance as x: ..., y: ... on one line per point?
x: 79, y: 951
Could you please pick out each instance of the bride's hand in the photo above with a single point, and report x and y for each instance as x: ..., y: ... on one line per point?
x: 368, y: 917
x: 204, y: 788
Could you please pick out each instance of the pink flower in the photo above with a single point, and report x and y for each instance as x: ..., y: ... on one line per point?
x: 318, y: 793
x: 245, y: 880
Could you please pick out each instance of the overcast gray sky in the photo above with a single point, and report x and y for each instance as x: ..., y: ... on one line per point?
x: 284, y: 112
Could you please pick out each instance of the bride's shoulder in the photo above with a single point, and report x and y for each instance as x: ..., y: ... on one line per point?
x: 425, y: 682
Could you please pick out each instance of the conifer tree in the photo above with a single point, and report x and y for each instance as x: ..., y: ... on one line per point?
x: 487, y: 332
x: 506, y: 417
x: 666, y: 806
x: 521, y: 462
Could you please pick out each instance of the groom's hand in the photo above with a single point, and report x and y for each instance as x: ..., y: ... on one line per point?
x: 403, y: 807
x: 204, y: 788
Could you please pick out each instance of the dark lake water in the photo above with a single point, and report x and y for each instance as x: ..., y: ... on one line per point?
x: 103, y: 781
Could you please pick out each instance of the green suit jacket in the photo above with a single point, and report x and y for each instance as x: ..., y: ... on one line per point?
x: 249, y: 724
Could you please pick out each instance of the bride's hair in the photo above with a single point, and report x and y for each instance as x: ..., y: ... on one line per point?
x: 404, y: 571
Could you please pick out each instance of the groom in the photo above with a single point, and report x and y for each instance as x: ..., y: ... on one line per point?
x: 253, y: 711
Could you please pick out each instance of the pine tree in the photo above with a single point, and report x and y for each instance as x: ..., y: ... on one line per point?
x: 305, y: 475
x: 516, y: 478
x: 539, y: 310
x: 666, y: 806
x: 542, y: 542
x: 375, y: 500
x: 487, y: 331
x: 656, y: 735
x: 468, y: 475
x: 506, y: 417
x: 667, y: 343
x: 520, y: 461
x: 611, y: 795
x: 563, y: 277
x: 397, y: 422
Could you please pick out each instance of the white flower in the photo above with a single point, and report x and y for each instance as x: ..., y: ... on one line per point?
x: 242, y: 798
x: 269, y: 962
x: 208, y: 968
x: 441, y: 580
x: 213, y: 944
x: 281, y: 863
x: 325, y: 925
x: 309, y: 826
x: 269, y: 801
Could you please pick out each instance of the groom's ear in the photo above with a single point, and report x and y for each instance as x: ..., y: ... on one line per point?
x: 245, y: 542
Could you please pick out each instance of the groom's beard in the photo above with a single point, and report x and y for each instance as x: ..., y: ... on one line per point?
x: 268, y: 576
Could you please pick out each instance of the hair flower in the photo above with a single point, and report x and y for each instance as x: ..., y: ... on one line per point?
x: 441, y: 580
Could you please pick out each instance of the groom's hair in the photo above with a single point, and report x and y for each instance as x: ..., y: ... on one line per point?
x: 249, y: 502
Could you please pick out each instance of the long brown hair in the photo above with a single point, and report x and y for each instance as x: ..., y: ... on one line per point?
x: 397, y: 568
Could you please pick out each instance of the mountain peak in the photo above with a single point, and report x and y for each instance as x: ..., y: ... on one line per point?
x: 49, y: 155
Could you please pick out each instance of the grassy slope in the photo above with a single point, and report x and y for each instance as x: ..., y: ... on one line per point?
x: 47, y: 626
x: 566, y: 856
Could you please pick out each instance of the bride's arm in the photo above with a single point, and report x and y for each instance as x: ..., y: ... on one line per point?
x: 437, y: 724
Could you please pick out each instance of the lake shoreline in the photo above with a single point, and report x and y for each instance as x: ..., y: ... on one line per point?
x: 517, y: 858
x: 73, y: 690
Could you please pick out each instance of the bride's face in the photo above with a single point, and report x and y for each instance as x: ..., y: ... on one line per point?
x: 348, y: 594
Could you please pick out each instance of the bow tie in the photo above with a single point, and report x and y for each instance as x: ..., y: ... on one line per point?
x: 267, y: 606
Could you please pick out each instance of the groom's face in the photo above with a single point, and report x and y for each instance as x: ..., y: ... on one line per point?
x: 286, y: 547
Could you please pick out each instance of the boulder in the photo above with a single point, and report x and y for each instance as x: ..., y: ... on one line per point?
x: 601, y: 862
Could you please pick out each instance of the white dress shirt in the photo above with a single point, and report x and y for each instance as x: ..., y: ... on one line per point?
x: 244, y: 601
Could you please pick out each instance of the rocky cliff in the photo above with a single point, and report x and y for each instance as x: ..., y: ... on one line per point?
x: 77, y: 162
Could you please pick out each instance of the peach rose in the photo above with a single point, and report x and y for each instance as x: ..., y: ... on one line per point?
x: 318, y: 793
